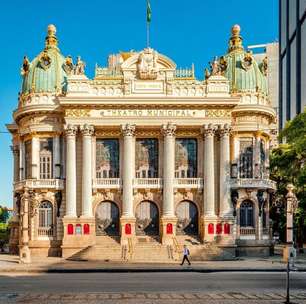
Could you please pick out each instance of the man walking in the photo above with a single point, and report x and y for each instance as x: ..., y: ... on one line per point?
x: 185, y: 253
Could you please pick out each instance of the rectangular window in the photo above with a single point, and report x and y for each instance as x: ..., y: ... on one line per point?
x: 107, y: 158
x: 146, y: 157
x: 186, y: 160
x: 303, y: 64
x: 292, y: 16
x: 45, y: 158
x: 293, y: 100
x: 283, y: 24
x: 28, y: 159
x: 246, y: 157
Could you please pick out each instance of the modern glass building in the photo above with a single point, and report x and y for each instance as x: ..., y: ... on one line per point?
x: 292, y: 76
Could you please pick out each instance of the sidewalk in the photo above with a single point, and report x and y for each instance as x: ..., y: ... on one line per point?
x: 9, y: 263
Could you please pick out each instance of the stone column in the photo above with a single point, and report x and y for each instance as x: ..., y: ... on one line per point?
x: 256, y: 157
x: 24, y: 251
x: 21, y: 160
x: 15, y: 150
x: 87, y: 132
x: 226, y: 209
x: 168, y: 170
x: 56, y: 157
x: 209, y: 174
x: 128, y: 170
x: 35, y: 157
x: 71, y: 171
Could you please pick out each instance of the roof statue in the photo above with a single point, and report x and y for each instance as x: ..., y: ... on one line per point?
x: 147, y: 64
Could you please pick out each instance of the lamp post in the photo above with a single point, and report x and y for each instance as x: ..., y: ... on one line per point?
x: 289, y: 251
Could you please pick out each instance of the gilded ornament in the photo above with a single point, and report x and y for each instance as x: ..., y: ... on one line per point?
x: 76, y: 113
x: 25, y: 66
x: 44, y: 60
x: 217, y: 113
x: 168, y: 129
x: 68, y: 66
x: 247, y: 61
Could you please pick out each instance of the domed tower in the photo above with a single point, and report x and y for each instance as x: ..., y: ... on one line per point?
x: 47, y: 73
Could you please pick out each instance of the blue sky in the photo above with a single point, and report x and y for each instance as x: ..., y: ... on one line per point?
x: 192, y: 31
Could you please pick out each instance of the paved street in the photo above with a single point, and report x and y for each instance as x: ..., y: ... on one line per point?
x: 148, y: 288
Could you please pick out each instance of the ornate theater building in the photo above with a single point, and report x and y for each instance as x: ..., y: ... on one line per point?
x: 143, y: 158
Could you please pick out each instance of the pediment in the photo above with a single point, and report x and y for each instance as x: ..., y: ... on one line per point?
x: 163, y: 62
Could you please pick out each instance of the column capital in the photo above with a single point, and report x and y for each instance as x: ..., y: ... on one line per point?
x: 128, y: 130
x: 87, y: 130
x: 224, y: 130
x: 209, y: 130
x: 168, y: 129
x: 71, y: 130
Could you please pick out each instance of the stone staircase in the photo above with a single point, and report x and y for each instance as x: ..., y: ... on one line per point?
x: 198, y: 250
x: 150, y: 250
x: 106, y: 249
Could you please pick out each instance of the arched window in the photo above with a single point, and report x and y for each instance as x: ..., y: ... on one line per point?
x: 247, y: 214
x: 45, y: 215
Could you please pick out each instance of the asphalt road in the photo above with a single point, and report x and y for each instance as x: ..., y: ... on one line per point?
x: 221, y: 287
x: 151, y: 282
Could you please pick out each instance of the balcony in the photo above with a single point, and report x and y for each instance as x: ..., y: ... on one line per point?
x: 149, y: 183
x: 57, y: 184
x: 252, y: 183
x: 107, y: 183
x: 191, y: 183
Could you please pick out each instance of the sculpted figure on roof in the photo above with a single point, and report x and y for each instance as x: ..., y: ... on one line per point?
x: 147, y: 64
x: 79, y: 67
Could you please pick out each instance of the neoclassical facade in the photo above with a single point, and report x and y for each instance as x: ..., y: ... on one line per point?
x: 144, y: 150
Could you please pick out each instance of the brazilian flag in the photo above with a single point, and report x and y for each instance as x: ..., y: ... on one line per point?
x: 149, y: 12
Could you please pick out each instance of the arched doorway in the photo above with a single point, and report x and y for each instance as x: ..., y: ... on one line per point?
x: 147, y: 219
x: 187, y: 218
x: 107, y: 219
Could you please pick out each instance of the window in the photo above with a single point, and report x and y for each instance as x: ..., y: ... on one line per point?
x: 107, y: 158
x: 45, y: 215
x: 246, y: 158
x: 28, y: 159
x: 246, y: 214
x: 45, y: 158
x: 186, y: 158
x: 146, y: 158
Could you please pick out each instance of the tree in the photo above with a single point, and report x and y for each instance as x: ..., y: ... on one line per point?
x: 4, y: 214
x: 288, y: 165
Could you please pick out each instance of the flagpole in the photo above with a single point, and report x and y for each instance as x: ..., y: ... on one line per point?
x: 148, y: 26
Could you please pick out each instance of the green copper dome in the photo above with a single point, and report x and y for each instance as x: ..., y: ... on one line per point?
x: 241, y: 69
x: 46, y: 73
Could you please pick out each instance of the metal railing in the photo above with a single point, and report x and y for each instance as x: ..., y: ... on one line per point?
x: 247, y: 231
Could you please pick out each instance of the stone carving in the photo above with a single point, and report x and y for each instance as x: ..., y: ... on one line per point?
x: 25, y: 66
x: 87, y: 130
x: 79, y: 68
x: 209, y: 130
x: 247, y: 61
x: 217, y: 113
x: 68, y: 66
x: 77, y: 113
x: 215, y: 68
x: 225, y: 130
x: 168, y: 129
x: 234, y: 199
x: 18, y: 202
x: 261, y: 201
x: 71, y: 130
x: 58, y: 199
x: 34, y: 203
x: 147, y: 64
x: 128, y: 130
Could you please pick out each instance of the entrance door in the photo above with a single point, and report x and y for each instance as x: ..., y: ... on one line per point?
x: 147, y: 219
x: 107, y: 219
x: 187, y: 215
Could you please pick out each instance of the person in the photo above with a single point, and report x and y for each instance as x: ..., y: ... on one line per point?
x: 186, y: 253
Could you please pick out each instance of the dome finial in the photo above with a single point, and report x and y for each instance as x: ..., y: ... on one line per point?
x: 235, y: 42
x: 51, y: 39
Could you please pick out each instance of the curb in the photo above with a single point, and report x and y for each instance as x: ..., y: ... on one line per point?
x: 143, y: 270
